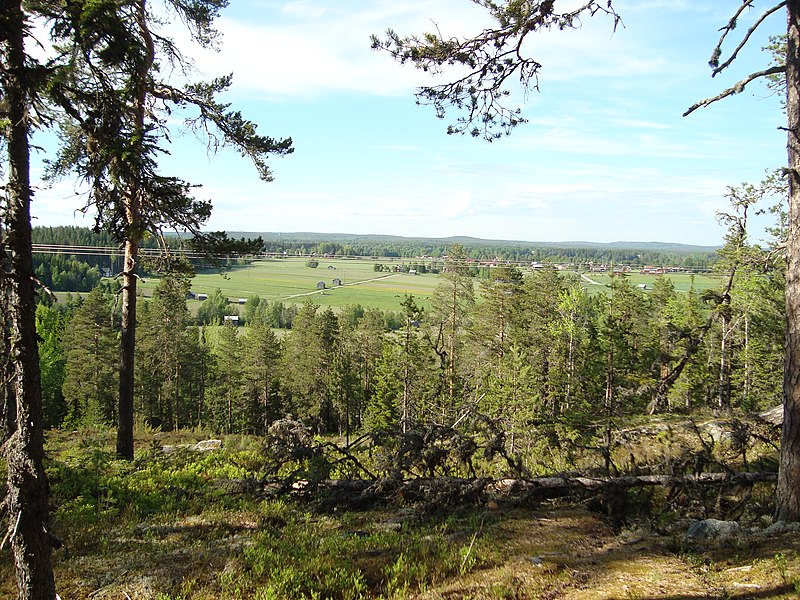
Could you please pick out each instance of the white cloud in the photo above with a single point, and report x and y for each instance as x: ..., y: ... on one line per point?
x: 324, y: 46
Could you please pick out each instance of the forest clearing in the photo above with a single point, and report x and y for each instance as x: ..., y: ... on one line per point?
x: 194, y: 519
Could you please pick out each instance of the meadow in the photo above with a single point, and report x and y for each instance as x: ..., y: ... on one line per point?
x: 683, y: 282
x: 291, y: 281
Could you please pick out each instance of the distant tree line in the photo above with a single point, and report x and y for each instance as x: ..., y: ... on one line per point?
x: 511, y: 252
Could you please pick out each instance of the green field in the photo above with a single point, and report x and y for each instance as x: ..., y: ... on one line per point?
x: 291, y: 281
x: 683, y: 282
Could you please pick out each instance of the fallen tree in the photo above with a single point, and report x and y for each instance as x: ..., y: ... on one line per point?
x: 438, y: 492
x: 426, y: 469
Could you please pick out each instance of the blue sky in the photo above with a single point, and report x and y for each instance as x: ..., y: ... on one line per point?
x: 606, y: 155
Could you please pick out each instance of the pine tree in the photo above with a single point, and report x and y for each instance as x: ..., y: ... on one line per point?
x: 117, y: 104
x: 226, y: 390
x: 51, y: 324
x: 27, y: 498
x: 532, y: 332
x: 308, y: 355
x: 362, y: 341
x: 261, y: 356
x: 161, y: 342
x: 196, y: 364
x: 448, y: 320
x: 91, y: 378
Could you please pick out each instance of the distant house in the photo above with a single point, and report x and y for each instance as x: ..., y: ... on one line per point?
x: 232, y: 319
x: 321, y: 285
x: 648, y: 270
x: 106, y: 272
x: 337, y: 281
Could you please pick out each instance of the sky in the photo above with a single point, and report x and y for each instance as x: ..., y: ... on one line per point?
x: 606, y: 155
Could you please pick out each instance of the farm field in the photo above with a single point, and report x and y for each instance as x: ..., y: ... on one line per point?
x: 683, y: 282
x: 291, y: 281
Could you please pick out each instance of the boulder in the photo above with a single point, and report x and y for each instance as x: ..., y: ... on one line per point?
x: 206, y: 445
x: 773, y: 416
x: 713, y: 530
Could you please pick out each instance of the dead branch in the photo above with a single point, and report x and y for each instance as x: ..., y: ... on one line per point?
x: 737, y: 88
x: 726, y: 30
x: 718, y: 50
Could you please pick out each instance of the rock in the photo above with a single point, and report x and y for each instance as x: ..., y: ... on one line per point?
x: 780, y: 527
x: 718, y: 430
x: 773, y: 416
x: 713, y: 530
x: 206, y: 445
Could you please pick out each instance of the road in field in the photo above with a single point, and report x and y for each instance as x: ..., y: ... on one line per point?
x: 323, y: 290
x: 590, y: 280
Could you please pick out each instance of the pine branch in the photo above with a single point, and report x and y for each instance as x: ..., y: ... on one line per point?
x: 491, y: 58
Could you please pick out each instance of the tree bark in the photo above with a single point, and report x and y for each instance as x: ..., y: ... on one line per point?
x: 28, y: 491
x: 788, y: 488
x: 127, y: 352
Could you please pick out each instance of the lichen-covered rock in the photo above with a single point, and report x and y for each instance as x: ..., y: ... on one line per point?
x: 206, y: 445
x: 773, y: 416
x: 713, y: 530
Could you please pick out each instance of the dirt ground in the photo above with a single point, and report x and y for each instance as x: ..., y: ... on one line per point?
x: 573, y: 554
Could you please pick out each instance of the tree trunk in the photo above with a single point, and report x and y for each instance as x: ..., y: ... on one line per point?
x: 788, y: 488
x: 133, y: 237
x: 127, y: 350
x: 355, y: 493
x: 724, y: 398
x: 8, y: 406
x: 28, y: 491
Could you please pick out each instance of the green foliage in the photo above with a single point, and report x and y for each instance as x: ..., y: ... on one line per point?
x: 166, y: 355
x: 213, y: 309
x: 555, y: 367
x: 51, y: 325
x: 89, y: 386
x: 66, y: 274
x: 485, y: 62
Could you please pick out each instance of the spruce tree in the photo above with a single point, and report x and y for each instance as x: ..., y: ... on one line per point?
x: 90, y: 381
